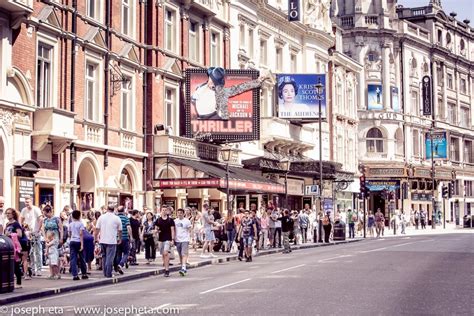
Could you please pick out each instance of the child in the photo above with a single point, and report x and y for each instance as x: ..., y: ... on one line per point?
x: 64, y: 257
x: 53, y: 255
x: 76, y: 246
x: 18, y: 263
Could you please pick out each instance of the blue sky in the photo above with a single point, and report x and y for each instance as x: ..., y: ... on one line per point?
x: 464, y: 8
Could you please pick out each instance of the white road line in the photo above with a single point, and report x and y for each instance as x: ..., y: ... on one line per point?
x: 341, y: 256
x: 394, y: 246
x: 288, y: 269
x: 162, y: 306
x: 224, y: 286
x: 378, y: 249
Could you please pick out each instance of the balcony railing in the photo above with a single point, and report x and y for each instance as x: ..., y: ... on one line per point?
x: 371, y: 20
x: 127, y: 141
x: 347, y: 21
x: 94, y: 134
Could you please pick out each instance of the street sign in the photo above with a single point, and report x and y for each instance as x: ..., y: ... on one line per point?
x: 311, y: 189
x: 426, y: 96
x: 293, y: 10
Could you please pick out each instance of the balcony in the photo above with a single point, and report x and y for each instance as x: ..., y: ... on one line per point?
x: 277, y: 132
x: 17, y: 6
x: 52, y: 125
x: 215, y: 8
x: 175, y: 146
x: 347, y: 21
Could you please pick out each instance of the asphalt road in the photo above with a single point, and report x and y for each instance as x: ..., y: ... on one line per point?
x: 422, y: 275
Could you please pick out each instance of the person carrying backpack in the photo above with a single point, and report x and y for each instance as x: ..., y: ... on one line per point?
x: 351, y: 219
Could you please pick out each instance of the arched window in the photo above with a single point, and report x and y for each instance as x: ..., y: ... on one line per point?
x: 374, y: 141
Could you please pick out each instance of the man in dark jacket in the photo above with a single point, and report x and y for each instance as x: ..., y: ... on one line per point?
x: 286, y: 228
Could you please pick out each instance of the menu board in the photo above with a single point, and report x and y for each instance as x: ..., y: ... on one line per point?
x: 26, y: 187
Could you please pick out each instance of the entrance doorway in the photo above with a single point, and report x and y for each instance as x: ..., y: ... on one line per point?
x: 86, y: 181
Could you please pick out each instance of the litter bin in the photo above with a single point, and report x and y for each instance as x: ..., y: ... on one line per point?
x: 7, y: 265
x: 339, y: 232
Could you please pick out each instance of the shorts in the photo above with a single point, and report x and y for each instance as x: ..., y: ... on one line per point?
x: 209, y: 235
x: 25, y: 246
x: 164, y: 247
x: 182, y: 248
x: 247, y: 241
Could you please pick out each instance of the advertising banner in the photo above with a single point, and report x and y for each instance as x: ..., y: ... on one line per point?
x: 374, y: 97
x: 440, y: 145
x: 426, y: 95
x: 380, y: 185
x: 222, y: 105
x: 395, y: 99
x: 298, y: 97
x: 293, y: 10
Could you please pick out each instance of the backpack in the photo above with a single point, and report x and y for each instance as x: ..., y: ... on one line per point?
x: 354, y: 217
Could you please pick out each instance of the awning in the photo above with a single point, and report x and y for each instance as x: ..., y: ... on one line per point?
x: 239, y: 179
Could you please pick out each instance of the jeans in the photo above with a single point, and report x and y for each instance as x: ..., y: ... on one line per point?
x: 403, y: 225
x: 77, y: 256
x: 351, y: 230
x: 263, y: 238
x: 121, y: 255
x: 36, y: 253
x: 271, y: 233
x: 230, y: 238
x: 18, y: 272
x: 241, y: 247
x: 108, y: 256
x: 327, y: 232
x: 286, y: 241
x: 304, y: 234
x: 277, y: 232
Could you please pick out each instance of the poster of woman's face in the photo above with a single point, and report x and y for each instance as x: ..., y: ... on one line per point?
x: 127, y: 202
x: 87, y: 201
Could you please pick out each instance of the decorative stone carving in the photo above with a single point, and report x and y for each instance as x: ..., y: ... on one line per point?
x: 317, y: 14
x: 6, y: 119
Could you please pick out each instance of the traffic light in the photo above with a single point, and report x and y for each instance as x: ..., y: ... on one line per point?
x: 444, y: 191
x: 451, y: 190
x: 362, y: 184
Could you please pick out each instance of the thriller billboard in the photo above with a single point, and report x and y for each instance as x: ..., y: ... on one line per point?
x: 222, y: 105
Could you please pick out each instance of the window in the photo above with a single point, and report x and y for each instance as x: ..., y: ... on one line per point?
x: 351, y: 153
x: 399, y: 142
x: 171, y: 108
x: 468, y: 188
x: 416, y: 143
x: 44, y: 75
x: 250, y: 45
x: 242, y: 35
x: 128, y: 110
x: 92, y: 111
x: 463, y: 85
x: 468, y: 157
x: 170, y: 27
x: 452, y: 117
x: 126, y: 17
x: 465, y: 117
x: 440, y: 37
x: 415, y: 101
x: 263, y: 52
x: 450, y: 81
x: 374, y: 141
x: 340, y: 150
x: 279, y: 59
x: 93, y: 9
x: 215, y: 49
x: 339, y: 106
x: 294, y: 64
x: 372, y: 57
x: 350, y: 101
x: 194, y: 41
x: 454, y: 153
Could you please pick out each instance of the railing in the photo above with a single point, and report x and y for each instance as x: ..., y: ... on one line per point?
x: 347, y: 21
x: 127, y: 140
x: 418, y: 11
x: 94, y: 134
x: 371, y: 20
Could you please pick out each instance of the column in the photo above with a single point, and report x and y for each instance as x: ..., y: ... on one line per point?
x: 362, y: 104
x: 386, y: 75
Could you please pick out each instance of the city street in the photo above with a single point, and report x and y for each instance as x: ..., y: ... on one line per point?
x: 417, y: 275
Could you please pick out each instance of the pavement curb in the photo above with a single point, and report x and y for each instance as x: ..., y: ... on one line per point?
x: 143, y: 275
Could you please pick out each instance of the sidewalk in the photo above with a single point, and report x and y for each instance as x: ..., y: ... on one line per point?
x: 42, y: 287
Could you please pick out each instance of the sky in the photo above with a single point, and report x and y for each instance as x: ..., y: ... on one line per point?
x: 464, y: 8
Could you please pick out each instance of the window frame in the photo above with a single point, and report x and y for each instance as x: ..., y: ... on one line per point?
x: 197, y: 44
x: 215, y: 58
x: 453, y: 142
x: 263, y: 52
x: 174, y: 87
x: 131, y: 18
x: 131, y: 98
x: 97, y: 5
x: 96, y: 79
x: 174, y: 27
x: 375, y: 141
x: 279, y: 58
x: 53, y: 89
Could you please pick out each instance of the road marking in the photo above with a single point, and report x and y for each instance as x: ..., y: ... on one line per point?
x: 378, y: 249
x: 161, y: 306
x: 288, y: 269
x: 224, y: 286
x: 341, y: 256
x: 398, y: 245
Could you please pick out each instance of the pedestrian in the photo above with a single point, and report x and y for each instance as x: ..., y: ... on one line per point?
x: 417, y: 219
x: 351, y: 219
x: 379, y: 222
x: 17, y: 259
x: 253, y: 215
x: 135, y: 225
x: 303, y: 220
x: 108, y: 234
x: 371, y: 223
x: 271, y: 228
x: 2, y: 218
x: 403, y: 222
x: 209, y: 238
x: 123, y: 249
x: 183, y: 236
x: 52, y: 253
x: 327, y: 227
x: 286, y: 228
x: 278, y: 228
x: 76, y: 246
x: 197, y: 229
x: 166, y: 236
x: 31, y: 215
x: 423, y: 219
x: 394, y: 222
x: 264, y: 227
x: 12, y: 228
x: 148, y: 232
x: 230, y: 230
x: 247, y: 233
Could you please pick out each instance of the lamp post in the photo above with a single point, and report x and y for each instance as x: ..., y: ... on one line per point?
x: 285, y: 165
x: 320, y: 95
x: 226, y: 152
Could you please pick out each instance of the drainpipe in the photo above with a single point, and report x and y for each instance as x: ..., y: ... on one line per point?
x: 402, y: 102
x: 107, y: 80
x: 72, y: 151
x: 145, y: 91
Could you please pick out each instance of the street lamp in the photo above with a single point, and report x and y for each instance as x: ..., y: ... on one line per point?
x: 226, y: 152
x: 285, y: 165
x: 320, y: 95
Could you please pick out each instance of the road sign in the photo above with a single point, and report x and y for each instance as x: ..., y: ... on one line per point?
x: 311, y: 189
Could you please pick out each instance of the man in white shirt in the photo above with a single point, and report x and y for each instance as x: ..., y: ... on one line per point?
x: 183, y: 235
x: 109, y: 231
x: 31, y: 216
